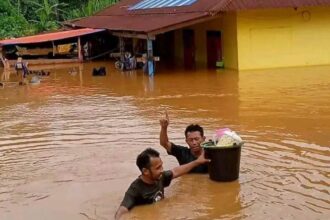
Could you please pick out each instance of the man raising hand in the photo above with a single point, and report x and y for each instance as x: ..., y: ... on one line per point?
x: 194, y: 137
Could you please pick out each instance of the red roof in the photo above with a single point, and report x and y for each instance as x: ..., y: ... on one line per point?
x: 233, y: 5
x: 119, y: 17
x: 50, y: 36
x: 138, y: 23
x: 122, y: 8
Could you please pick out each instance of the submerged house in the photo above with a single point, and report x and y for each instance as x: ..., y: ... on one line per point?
x: 244, y: 34
x: 57, y: 47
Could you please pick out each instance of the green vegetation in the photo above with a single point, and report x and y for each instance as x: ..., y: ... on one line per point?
x: 27, y: 17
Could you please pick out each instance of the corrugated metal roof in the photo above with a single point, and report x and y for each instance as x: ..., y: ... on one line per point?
x: 119, y: 17
x: 50, y: 36
x: 122, y: 8
x: 232, y: 5
x: 146, y: 4
x: 138, y: 23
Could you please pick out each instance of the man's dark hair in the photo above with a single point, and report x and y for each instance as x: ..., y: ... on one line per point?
x: 143, y: 159
x: 192, y: 128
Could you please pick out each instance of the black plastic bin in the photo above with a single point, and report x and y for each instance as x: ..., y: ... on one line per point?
x: 225, y: 162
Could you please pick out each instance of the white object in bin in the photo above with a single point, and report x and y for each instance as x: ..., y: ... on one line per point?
x: 226, y: 138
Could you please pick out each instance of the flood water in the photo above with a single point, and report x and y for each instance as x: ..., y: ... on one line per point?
x: 68, y: 145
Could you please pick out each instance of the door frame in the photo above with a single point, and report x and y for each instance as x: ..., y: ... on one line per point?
x: 189, y: 48
x: 211, y: 35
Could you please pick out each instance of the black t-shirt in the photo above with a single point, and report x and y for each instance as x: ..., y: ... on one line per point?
x: 184, y: 156
x: 140, y: 192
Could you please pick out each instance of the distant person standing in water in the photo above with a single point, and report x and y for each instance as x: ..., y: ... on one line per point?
x: 6, y: 70
x: 149, y: 186
x: 194, y: 137
x: 22, y: 70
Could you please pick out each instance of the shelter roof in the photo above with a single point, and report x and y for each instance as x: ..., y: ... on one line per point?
x: 50, y: 36
x: 139, y: 23
x: 149, y: 16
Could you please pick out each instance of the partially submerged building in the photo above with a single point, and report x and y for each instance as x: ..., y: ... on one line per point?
x: 249, y: 34
x: 57, y: 47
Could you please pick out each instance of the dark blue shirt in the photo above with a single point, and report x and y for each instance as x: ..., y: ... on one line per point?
x: 140, y: 193
x: 184, y: 156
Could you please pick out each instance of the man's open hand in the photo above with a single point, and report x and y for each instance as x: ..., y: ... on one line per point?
x: 201, y: 159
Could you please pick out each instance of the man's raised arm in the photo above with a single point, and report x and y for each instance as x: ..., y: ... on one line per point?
x: 163, y: 138
x: 121, y: 210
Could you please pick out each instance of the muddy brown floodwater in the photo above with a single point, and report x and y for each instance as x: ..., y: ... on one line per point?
x: 68, y: 145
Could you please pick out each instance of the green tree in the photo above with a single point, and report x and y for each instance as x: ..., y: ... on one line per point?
x: 43, y: 15
x: 90, y: 8
x: 47, y: 14
x: 12, y: 23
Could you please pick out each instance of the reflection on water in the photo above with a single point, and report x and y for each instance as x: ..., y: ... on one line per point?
x: 68, y: 145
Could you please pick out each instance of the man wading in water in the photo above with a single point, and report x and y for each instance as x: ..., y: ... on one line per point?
x: 194, y: 137
x: 149, y: 186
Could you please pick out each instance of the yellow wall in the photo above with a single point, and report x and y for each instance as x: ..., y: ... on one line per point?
x: 226, y: 24
x: 283, y: 37
x: 229, y: 41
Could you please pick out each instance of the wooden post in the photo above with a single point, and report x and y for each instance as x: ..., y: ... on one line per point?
x: 1, y: 58
x: 121, y: 48
x: 54, y: 49
x: 150, y: 58
x: 80, y: 56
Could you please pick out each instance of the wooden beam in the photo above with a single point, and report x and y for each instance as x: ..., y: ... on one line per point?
x: 80, y: 56
x: 150, y: 58
x: 1, y: 57
x: 54, y: 49
x: 122, y: 48
x: 134, y: 35
x: 184, y: 24
x: 36, y: 64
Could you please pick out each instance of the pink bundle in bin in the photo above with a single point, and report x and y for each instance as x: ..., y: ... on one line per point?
x: 221, y: 131
x: 225, y: 137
